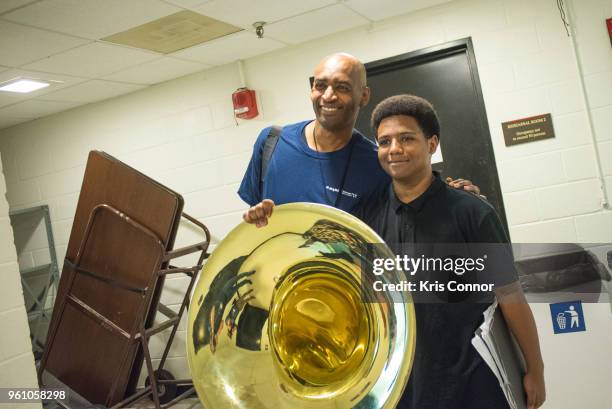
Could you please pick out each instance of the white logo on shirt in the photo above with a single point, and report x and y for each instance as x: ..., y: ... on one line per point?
x: 344, y: 192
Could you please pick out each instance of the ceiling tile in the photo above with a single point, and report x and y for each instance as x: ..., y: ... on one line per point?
x: 174, y: 32
x: 242, y: 45
x: 8, y: 121
x: 10, y: 98
x: 91, y: 91
x: 93, y: 60
x: 264, y: 10
x: 34, y: 108
x: 188, y: 4
x: 57, y: 81
x: 6, y: 5
x: 91, y: 19
x: 20, y: 45
x: 381, y: 9
x: 327, y: 21
x: 160, y: 70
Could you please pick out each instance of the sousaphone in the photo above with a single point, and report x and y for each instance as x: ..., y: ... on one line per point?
x: 282, y: 317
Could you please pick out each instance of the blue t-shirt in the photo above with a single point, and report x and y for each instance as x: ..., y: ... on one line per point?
x: 296, y: 173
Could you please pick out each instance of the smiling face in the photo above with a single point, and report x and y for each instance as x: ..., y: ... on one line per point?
x: 338, y: 91
x: 403, y: 150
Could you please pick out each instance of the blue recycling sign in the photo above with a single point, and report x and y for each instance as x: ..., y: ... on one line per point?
x: 567, y: 317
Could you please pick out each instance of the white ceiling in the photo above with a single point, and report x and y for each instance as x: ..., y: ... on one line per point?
x: 59, y: 40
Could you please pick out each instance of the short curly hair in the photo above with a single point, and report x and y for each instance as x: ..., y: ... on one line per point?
x: 409, y: 105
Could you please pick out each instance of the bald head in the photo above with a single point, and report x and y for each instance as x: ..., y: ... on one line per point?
x: 355, y: 66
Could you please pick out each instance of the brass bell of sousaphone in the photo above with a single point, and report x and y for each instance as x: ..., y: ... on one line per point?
x: 282, y: 317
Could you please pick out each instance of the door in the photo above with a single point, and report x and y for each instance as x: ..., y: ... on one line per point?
x: 447, y: 76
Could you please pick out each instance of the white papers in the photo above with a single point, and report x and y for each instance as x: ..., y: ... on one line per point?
x: 498, y: 349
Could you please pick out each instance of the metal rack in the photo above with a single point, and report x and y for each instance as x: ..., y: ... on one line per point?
x: 36, y: 297
x: 158, y: 380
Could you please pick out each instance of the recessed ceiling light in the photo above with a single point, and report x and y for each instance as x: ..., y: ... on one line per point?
x: 23, y: 85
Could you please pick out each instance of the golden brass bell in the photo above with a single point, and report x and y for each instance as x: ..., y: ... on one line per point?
x: 280, y: 317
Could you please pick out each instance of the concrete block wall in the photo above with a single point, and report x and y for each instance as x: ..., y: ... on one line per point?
x: 16, y: 359
x: 551, y: 188
x: 182, y: 132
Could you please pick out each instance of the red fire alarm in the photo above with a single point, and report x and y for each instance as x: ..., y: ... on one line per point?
x: 245, y: 104
x: 609, y: 22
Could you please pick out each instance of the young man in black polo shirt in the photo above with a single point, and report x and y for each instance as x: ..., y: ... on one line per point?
x: 420, y: 208
x: 417, y: 207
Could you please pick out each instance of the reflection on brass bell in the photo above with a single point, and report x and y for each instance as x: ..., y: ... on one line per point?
x: 280, y: 318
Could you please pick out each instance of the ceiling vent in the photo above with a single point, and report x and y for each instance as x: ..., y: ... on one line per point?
x: 174, y: 32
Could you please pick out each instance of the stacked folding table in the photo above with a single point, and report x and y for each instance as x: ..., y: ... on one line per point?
x: 118, y: 255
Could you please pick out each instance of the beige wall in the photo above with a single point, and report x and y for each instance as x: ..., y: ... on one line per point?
x: 16, y: 358
x: 182, y: 133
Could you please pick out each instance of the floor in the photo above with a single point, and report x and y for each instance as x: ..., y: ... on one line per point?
x: 147, y: 403
x: 189, y: 403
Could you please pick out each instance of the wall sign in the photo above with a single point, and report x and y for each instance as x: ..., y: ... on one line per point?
x: 567, y: 317
x: 530, y: 129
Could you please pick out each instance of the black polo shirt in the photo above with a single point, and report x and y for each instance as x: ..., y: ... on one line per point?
x: 447, y: 372
x: 441, y: 214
